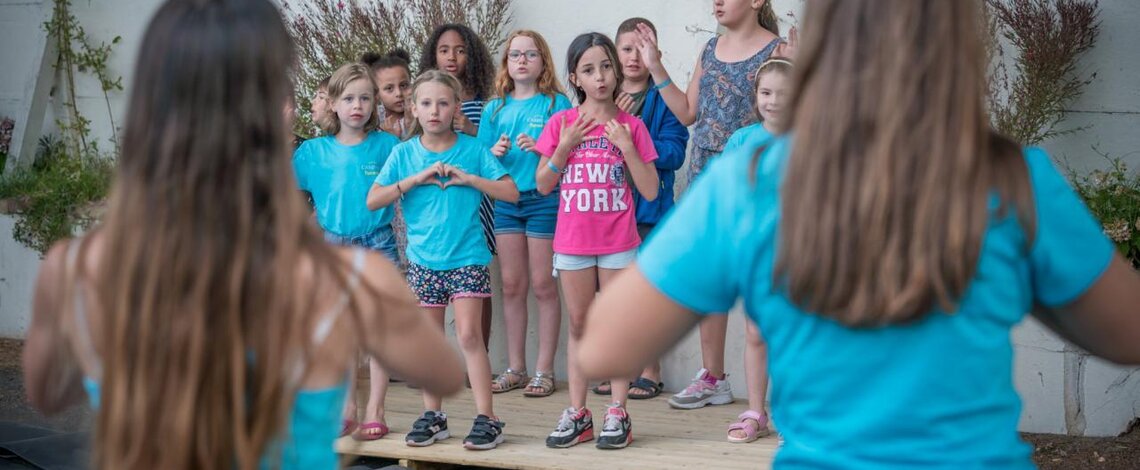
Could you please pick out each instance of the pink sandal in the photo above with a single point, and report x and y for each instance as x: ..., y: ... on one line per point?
x: 754, y: 425
x: 347, y: 426
x: 362, y: 435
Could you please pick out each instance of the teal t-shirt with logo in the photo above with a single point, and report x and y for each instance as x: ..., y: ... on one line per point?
x: 443, y: 223
x: 339, y: 177
x: 513, y: 117
x: 933, y: 393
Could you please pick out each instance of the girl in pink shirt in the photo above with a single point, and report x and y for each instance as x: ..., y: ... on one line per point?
x: 594, y: 155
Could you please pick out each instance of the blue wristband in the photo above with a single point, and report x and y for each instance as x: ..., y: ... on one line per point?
x: 550, y: 164
x: 659, y: 86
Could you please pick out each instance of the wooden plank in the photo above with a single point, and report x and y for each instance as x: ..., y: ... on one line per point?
x: 663, y: 437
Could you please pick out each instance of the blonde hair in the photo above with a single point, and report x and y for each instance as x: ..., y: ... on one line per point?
x: 547, y: 81
x: 343, y: 76
x: 435, y: 76
x: 887, y: 192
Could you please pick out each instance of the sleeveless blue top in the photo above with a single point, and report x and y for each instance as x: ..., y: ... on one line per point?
x: 315, y: 420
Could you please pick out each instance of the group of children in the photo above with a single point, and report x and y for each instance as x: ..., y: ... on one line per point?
x: 575, y: 190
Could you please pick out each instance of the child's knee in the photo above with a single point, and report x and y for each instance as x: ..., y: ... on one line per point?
x: 470, y: 339
x: 514, y: 287
x: 545, y: 290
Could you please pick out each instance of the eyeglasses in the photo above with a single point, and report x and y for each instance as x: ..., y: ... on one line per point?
x: 531, y: 55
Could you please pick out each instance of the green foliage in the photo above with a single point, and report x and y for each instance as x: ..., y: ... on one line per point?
x: 1113, y: 196
x: 1049, y: 38
x: 60, y: 191
x: 330, y: 33
x: 57, y: 194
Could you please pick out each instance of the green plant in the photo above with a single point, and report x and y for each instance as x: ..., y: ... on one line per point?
x: 57, y: 194
x: 60, y: 192
x: 1113, y: 196
x: 1049, y: 36
x: 329, y: 33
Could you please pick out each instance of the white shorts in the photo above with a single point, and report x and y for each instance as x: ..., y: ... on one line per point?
x: 611, y: 261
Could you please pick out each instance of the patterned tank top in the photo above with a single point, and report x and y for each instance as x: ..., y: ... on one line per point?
x: 726, y: 96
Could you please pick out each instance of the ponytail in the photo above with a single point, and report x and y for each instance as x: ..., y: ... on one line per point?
x: 767, y: 18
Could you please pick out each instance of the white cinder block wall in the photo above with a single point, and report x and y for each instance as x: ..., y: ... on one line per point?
x: 1063, y: 390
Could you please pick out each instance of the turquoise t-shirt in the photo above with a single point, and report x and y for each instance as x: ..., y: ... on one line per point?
x: 443, y: 224
x: 339, y: 177
x: 518, y: 117
x: 935, y: 393
x: 749, y: 137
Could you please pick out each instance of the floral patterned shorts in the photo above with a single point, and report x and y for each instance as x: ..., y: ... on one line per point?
x: 439, y: 288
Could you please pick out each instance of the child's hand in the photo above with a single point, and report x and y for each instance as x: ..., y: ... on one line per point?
x: 647, y: 47
x: 575, y: 133
x: 788, y: 48
x: 502, y: 146
x: 525, y: 142
x: 618, y: 133
x: 431, y: 175
x: 456, y: 177
x: 461, y: 124
x: 625, y: 102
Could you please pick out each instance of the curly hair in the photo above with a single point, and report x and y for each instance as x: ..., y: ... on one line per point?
x: 479, y: 74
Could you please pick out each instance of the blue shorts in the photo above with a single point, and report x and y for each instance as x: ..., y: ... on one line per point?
x: 382, y: 240
x: 534, y: 215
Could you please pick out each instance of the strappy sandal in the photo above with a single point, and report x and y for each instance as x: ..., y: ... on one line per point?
x: 363, y: 434
x: 509, y: 380
x: 603, y: 388
x: 651, y: 388
x: 544, y: 382
x: 754, y: 425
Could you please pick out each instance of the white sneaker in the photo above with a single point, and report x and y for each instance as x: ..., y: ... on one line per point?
x: 701, y: 393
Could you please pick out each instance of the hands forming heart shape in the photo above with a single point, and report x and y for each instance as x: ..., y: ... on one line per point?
x: 445, y: 176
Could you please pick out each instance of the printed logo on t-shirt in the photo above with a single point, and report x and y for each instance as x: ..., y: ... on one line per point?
x: 594, y: 180
x: 370, y: 169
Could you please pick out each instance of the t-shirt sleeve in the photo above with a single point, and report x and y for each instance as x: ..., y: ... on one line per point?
x: 548, y: 139
x: 394, y: 169
x: 689, y: 257
x: 487, y: 127
x: 733, y: 141
x: 489, y: 166
x: 561, y: 103
x: 643, y: 141
x: 1070, y: 250
x: 301, y: 166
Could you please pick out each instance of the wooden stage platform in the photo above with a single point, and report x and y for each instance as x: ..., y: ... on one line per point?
x: 663, y: 437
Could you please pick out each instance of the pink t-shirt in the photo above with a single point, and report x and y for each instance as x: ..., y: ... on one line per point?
x: 595, y: 210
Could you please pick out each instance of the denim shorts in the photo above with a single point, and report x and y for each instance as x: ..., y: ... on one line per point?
x: 533, y: 215
x: 439, y: 288
x: 382, y: 240
x: 611, y: 261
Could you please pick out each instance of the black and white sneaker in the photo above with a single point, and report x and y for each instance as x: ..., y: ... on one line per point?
x: 427, y: 429
x: 574, y: 426
x: 617, y: 430
x: 485, y: 434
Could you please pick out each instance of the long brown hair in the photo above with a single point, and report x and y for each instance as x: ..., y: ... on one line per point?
x: 766, y: 16
x: 547, y: 83
x: 893, y: 165
x: 204, y: 321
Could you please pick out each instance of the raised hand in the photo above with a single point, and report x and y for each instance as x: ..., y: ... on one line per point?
x: 502, y: 146
x: 525, y: 142
x: 625, y: 102
x: 431, y: 175
x: 788, y: 48
x: 461, y: 124
x: 647, y: 46
x: 619, y: 134
x: 574, y: 134
x: 456, y: 176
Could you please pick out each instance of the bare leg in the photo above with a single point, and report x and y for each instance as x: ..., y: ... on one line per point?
x: 487, y: 309
x: 713, y: 330
x: 755, y: 372
x: 433, y: 402
x: 619, y: 386
x: 549, y: 306
x: 469, y: 332
x: 513, y: 266
x: 377, y: 391
x: 578, y: 288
